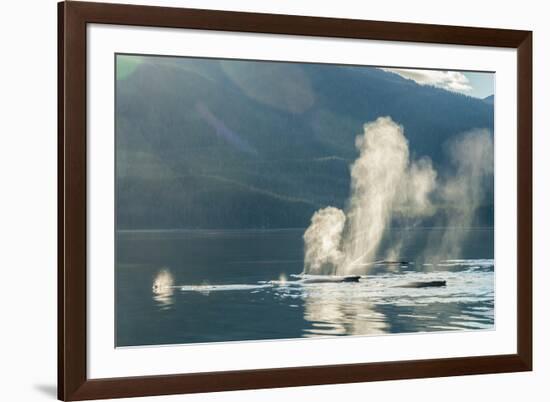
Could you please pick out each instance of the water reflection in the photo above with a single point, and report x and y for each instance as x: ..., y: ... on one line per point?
x: 336, y: 309
x: 387, y: 303
x: 163, y: 289
x: 204, y: 293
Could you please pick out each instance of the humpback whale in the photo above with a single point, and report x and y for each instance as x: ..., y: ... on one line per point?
x: 426, y: 284
x: 330, y: 279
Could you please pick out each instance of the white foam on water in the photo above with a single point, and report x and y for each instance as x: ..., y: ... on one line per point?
x: 485, y: 262
x: 221, y: 288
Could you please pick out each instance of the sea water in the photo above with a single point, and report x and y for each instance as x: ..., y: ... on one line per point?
x: 191, y: 286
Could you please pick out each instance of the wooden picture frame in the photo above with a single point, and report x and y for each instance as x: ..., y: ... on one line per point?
x: 73, y: 382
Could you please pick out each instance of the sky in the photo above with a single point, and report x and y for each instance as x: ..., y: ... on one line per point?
x: 476, y: 84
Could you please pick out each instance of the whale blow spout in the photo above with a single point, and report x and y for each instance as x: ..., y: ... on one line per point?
x: 385, y: 183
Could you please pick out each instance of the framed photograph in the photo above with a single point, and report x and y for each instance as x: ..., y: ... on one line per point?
x: 253, y: 200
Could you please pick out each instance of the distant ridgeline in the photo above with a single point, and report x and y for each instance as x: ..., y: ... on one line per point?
x: 229, y: 144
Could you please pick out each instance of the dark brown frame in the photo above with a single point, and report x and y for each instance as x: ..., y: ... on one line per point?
x: 73, y: 383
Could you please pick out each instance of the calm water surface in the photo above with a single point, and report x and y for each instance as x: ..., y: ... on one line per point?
x: 239, y: 285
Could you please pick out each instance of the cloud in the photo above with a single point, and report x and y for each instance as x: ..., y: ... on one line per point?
x: 450, y: 80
